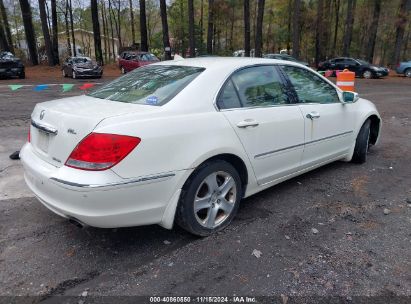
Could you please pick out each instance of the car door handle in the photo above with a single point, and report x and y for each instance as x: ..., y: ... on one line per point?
x: 313, y: 115
x: 247, y: 123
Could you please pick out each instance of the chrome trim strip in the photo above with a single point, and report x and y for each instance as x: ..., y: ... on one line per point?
x: 299, y: 145
x: 44, y: 128
x: 122, y: 183
x: 278, y: 150
x: 329, y: 137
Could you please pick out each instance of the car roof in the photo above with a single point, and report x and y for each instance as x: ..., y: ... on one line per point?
x: 229, y: 63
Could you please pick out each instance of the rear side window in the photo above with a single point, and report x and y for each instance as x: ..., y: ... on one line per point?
x: 150, y: 85
x: 228, y: 99
x: 260, y: 86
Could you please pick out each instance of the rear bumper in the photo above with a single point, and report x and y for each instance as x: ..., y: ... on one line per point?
x: 115, y: 203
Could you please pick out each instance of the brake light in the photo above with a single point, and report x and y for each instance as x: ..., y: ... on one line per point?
x: 100, y: 151
x: 28, y: 136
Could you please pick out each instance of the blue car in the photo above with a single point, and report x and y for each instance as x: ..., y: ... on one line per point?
x: 404, y: 68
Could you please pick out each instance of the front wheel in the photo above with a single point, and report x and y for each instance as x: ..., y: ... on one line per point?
x: 123, y: 71
x: 73, y: 75
x: 367, y: 74
x: 209, y: 199
x: 408, y: 73
x: 362, y: 143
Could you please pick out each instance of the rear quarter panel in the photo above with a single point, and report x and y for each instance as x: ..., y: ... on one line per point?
x: 175, y: 142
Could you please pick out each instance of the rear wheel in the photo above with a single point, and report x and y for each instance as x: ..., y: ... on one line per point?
x: 210, y: 198
x: 123, y: 71
x: 367, y: 74
x: 362, y: 144
x: 64, y: 73
x: 73, y: 74
x: 22, y: 75
x: 407, y: 72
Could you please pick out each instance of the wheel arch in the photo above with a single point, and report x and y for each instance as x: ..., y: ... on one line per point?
x: 374, y: 128
x: 234, y: 160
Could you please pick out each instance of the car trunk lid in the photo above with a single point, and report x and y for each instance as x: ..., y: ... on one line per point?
x: 58, y: 126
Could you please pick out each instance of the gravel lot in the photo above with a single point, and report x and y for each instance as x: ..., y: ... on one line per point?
x: 360, y: 249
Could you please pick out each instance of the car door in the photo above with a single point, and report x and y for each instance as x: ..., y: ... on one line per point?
x: 352, y: 65
x: 270, y: 127
x: 329, y: 124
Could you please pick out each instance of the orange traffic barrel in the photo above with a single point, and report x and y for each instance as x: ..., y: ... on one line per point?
x: 345, y: 80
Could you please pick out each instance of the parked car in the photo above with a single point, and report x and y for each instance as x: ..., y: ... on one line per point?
x: 285, y: 57
x: 80, y: 67
x: 11, y: 66
x: 184, y: 141
x: 404, y: 68
x: 129, y: 61
x: 360, y: 67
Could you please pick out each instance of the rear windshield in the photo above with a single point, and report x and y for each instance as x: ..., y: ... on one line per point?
x: 150, y: 85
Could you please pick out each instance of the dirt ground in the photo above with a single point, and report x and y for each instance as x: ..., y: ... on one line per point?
x: 361, y: 252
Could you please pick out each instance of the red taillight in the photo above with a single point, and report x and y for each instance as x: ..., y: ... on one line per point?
x: 28, y: 136
x: 100, y: 151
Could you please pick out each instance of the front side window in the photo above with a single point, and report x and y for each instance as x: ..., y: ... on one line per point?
x: 259, y: 86
x: 309, y: 87
x: 150, y: 85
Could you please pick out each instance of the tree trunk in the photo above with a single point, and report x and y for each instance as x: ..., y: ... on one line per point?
x: 191, y: 28
x: 46, y: 33
x: 133, y: 31
x: 96, y: 31
x: 111, y: 29
x: 118, y: 28
x: 55, y: 40
x: 259, y: 29
x: 105, y: 34
x: 4, y: 44
x: 6, y: 26
x: 349, y: 22
x: 247, y: 46
x: 402, y: 17
x: 210, y: 30
x: 296, y: 28
x: 143, y: 26
x: 66, y: 21
x: 164, y: 23
x: 373, y: 30
x: 201, y: 23
x: 72, y: 29
x: 319, y: 33
x: 29, y: 30
x: 337, y: 20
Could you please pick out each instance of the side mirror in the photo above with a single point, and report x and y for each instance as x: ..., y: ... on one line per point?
x: 350, y: 97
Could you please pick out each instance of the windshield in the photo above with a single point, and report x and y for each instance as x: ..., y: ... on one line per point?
x: 81, y: 60
x: 362, y: 61
x: 149, y: 85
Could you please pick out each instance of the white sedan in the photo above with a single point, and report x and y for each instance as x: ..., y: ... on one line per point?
x: 185, y: 141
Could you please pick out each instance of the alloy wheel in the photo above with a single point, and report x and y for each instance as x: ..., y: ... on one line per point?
x: 215, y: 199
x: 74, y: 75
x: 408, y: 73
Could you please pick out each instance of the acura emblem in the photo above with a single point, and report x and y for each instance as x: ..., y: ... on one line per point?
x: 42, y: 114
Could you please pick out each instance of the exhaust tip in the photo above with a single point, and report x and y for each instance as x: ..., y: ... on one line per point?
x: 76, y: 222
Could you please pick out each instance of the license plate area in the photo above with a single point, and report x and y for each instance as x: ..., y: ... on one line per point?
x: 43, y: 141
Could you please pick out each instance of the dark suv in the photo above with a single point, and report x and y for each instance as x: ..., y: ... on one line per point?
x: 360, y: 67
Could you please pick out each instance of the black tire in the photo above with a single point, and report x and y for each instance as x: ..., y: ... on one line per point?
x: 362, y: 144
x: 367, y: 74
x: 22, y: 75
x: 407, y: 72
x: 185, y: 215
